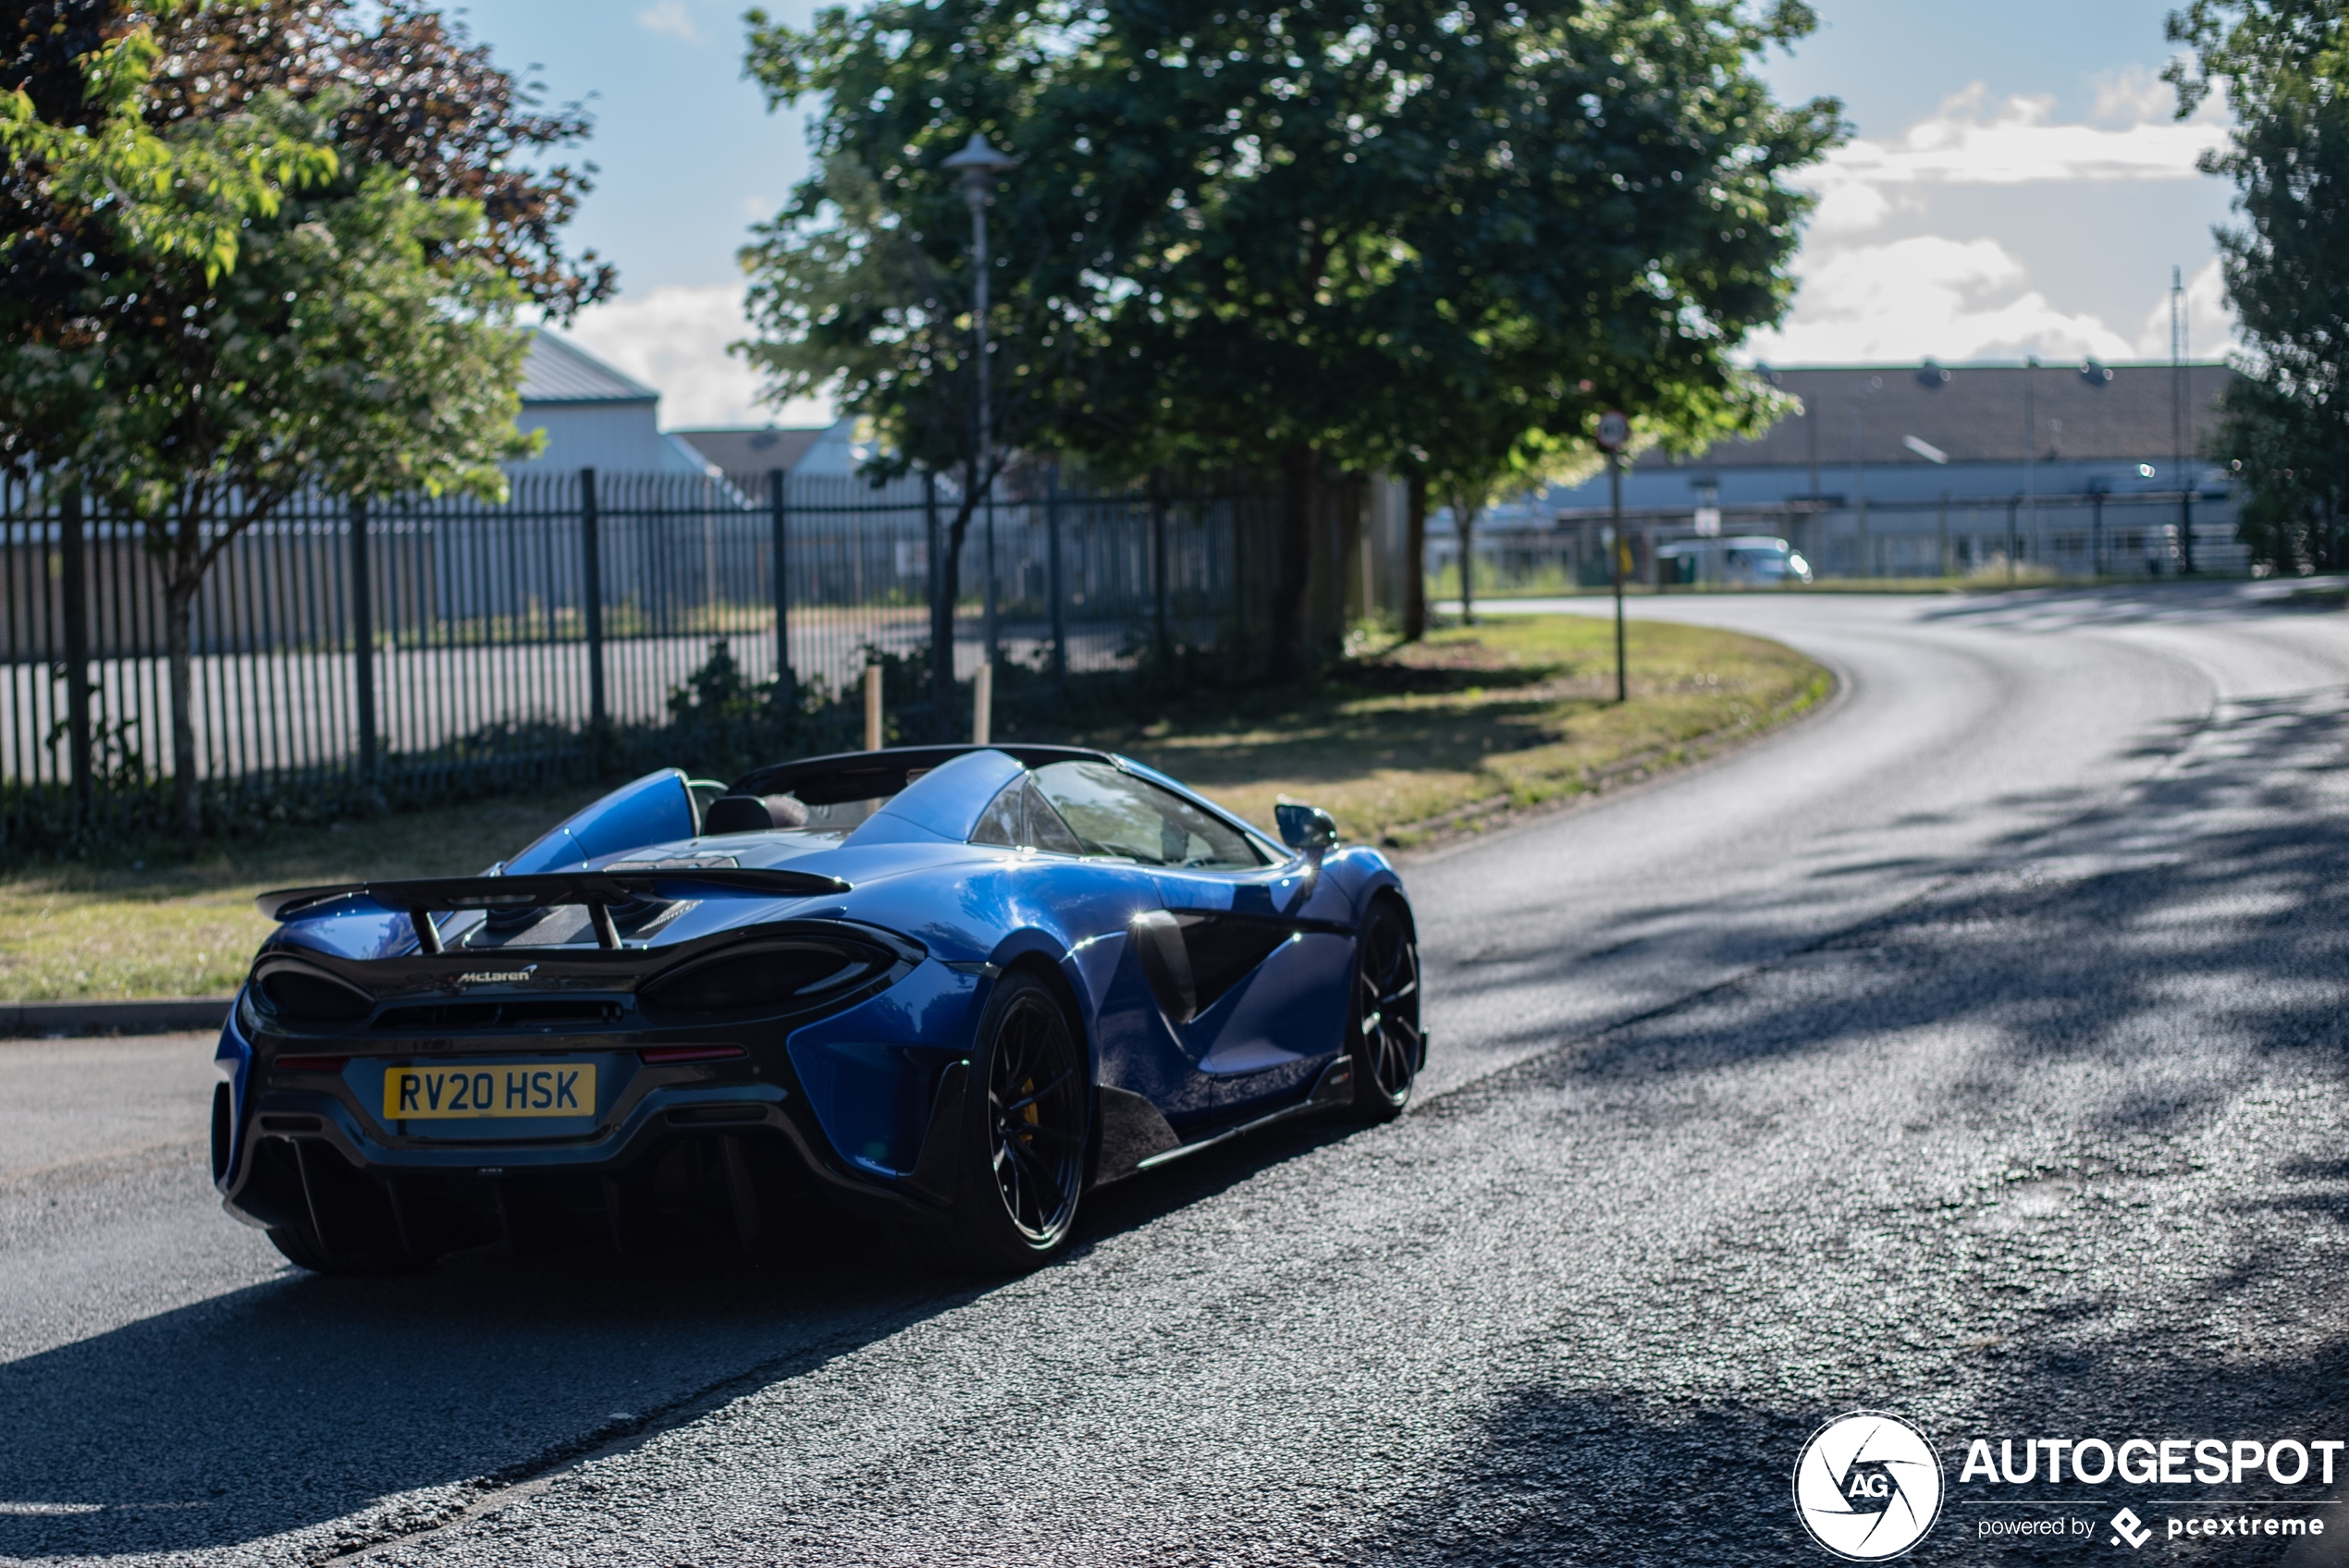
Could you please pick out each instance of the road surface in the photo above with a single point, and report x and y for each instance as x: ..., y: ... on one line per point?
x: 1971, y: 1051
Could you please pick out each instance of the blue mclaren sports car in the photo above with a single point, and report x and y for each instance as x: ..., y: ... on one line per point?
x: 944, y: 988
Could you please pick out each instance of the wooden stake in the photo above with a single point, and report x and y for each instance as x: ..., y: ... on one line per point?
x: 982, y: 703
x: 872, y: 707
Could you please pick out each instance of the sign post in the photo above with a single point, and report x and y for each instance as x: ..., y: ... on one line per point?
x: 1615, y: 429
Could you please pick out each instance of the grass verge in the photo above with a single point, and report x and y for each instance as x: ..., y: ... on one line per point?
x: 1405, y: 745
x: 1433, y: 739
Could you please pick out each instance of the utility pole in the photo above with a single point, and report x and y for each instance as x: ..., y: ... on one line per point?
x: 1868, y: 389
x: 2178, y: 419
x: 1612, y: 431
x: 978, y: 164
x: 2030, y: 458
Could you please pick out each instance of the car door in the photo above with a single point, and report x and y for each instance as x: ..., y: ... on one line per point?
x: 1246, y: 957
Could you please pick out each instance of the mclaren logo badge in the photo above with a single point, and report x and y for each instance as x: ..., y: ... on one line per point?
x: 495, y: 976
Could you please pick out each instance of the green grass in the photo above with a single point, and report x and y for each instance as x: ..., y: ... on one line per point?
x: 1506, y: 715
x: 124, y: 928
x: 1480, y: 720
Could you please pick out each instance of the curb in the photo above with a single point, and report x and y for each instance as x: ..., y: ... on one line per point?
x: 161, y: 1015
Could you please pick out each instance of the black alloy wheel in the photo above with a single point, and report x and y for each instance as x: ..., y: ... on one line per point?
x: 1382, y: 1023
x: 1025, y: 1124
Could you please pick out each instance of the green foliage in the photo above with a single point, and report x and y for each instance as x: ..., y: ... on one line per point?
x: 350, y: 333
x: 1394, y: 232
x: 183, y: 195
x: 2285, y: 65
x: 337, y: 354
x: 1432, y: 238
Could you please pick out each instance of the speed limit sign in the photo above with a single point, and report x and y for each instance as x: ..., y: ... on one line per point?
x: 1614, y: 428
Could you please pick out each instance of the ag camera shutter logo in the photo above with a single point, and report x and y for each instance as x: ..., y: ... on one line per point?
x: 1867, y: 1487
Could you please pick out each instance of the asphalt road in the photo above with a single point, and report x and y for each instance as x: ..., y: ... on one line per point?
x: 1973, y: 1051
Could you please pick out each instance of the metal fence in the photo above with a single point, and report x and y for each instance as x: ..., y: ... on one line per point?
x: 433, y: 647
x: 2073, y: 536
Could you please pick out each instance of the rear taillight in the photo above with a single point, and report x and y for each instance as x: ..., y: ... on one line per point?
x: 310, y: 1063
x: 768, y: 976
x: 303, y: 998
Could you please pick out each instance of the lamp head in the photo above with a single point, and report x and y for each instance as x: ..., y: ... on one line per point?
x: 979, y: 163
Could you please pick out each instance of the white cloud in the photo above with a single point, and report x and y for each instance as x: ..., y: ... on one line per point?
x: 2133, y: 95
x: 1849, y: 206
x: 674, y: 339
x: 669, y: 16
x: 2210, y: 326
x: 1954, y: 299
x: 1868, y: 297
x: 1968, y: 143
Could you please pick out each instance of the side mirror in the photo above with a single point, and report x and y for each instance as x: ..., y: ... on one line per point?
x: 1309, y: 830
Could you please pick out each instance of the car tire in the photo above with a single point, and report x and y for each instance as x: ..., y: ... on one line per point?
x: 1025, y: 1126
x: 1382, y: 1015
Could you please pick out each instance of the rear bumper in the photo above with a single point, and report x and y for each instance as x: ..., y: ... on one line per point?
x: 840, y: 1105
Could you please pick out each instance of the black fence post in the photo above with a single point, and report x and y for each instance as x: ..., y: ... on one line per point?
x: 591, y: 564
x: 1158, y: 564
x: 1240, y: 638
x: 1060, y: 590
x: 363, y: 639
x: 778, y: 524
x: 77, y: 608
x: 942, y: 615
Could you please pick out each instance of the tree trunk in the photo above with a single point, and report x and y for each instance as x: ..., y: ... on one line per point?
x: 942, y: 621
x: 178, y: 606
x: 1292, y: 619
x: 1415, y: 562
x: 1464, y: 523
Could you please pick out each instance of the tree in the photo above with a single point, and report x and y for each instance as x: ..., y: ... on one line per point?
x: 1503, y: 218
x: 1303, y: 237
x: 862, y: 285
x: 2285, y: 66
x: 349, y: 334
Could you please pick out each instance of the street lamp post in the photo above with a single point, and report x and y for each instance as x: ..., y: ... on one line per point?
x: 979, y: 164
x: 2030, y: 460
x: 1614, y: 431
x: 1860, y: 396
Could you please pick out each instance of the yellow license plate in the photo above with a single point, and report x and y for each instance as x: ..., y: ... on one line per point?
x: 515, y: 1088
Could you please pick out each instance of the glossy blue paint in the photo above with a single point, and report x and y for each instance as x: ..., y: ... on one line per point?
x: 233, y: 1056
x: 946, y: 802
x: 657, y: 807
x: 870, y: 1073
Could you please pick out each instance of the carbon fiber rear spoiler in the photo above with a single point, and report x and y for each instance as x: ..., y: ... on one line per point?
x: 596, y: 889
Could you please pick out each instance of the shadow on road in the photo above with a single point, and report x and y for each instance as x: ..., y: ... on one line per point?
x: 2094, y: 1220
x: 307, y: 1400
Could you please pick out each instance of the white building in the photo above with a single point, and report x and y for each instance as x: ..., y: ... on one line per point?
x: 594, y: 416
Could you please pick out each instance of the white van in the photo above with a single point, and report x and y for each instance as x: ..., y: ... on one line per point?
x: 1744, y: 560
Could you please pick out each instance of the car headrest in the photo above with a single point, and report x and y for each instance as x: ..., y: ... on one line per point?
x: 753, y: 814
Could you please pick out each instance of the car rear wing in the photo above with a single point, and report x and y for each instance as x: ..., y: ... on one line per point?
x: 599, y: 891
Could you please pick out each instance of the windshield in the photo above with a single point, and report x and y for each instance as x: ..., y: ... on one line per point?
x: 1113, y: 813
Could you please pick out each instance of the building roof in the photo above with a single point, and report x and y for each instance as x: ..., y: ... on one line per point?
x: 1971, y: 414
x: 561, y: 372
x: 752, y: 450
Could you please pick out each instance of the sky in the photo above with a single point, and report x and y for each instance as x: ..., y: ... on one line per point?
x: 2015, y: 183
